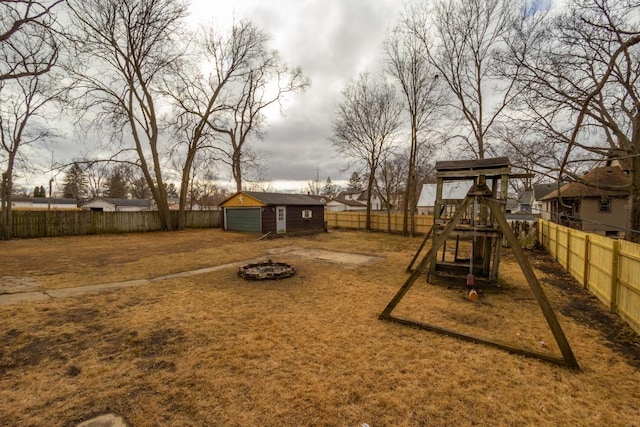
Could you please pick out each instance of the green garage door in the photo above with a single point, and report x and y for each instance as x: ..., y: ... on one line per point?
x: 243, y: 219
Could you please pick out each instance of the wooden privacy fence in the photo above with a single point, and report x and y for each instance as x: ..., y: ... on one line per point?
x: 54, y: 223
x: 357, y: 220
x: 608, y: 268
x: 525, y: 231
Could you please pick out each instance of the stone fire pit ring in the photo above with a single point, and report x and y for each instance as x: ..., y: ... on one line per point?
x: 269, y: 270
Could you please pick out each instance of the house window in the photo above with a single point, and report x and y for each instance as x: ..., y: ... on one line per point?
x: 605, y: 206
x: 306, y: 214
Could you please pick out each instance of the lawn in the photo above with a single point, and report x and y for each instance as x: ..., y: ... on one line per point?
x: 215, y: 350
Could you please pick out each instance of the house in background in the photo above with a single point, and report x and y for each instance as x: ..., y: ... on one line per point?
x: 322, y: 199
x: 591, y: 208
x: 523, y: 204
x: 341, y: 205
x: 451, y: 190
x: 108, y: 204
x: 276, y: 213
x: 346, y: 198
x: 539, y: 191
x: 527, y: 203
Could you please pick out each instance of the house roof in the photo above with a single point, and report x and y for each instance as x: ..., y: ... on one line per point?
x: 344, y: 193
x: 456, y: 190
x: 284, y: 199
x: 541, y: 190
x: 596, y: 179
x: 347, y: 202
x: 525, y: 198
x: 44, y: 200
x: 511, y: 205
x: 57, y: 201
x: 123, y: 202
x: 129, y: 202
x: 454, y: 165
x: 320, y: 198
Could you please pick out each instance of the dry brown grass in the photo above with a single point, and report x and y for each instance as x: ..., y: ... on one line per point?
x: 215, y: 350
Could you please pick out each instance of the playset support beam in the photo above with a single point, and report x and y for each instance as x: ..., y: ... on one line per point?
x: 483, y: 194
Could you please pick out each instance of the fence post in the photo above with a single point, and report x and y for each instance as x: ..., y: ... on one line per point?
x: 585, y: 266
x: 547, y: 239
x: 614, y: 275
x: 569, y: 250
x: 557, y: 242
x: 539, y: 233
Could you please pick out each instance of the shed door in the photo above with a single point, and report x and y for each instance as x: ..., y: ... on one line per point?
x: 281, y: 219
x: 243, y: 219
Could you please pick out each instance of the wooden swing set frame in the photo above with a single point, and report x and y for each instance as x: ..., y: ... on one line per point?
x: 480, y: 193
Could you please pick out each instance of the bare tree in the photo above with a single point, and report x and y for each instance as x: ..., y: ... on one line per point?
x: 266, y: 83
x: 330, y: 189
x: 28, y: 40
x: 200, y: 96
x: 220, y: 110
x: 582, y: 73
x: 389, y: 183
x: 29, y: 50
x: 314, y: 187
x: 462, y: 38
x: 97, y: 178
x: 262, y: 184
x: 138, y: 186
x: 22, y: 124
x: 122, y: 48
x: 424, y: 99
x: 366, y: 126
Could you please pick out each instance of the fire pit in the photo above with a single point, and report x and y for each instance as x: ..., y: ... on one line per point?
x: 269, y: 270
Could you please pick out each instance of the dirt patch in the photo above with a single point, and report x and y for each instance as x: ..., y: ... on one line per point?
x: 584, y: 307
x: 342, y: 258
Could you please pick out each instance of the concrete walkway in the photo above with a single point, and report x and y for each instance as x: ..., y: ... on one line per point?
x: 92, y: 289
x: 344, y: 259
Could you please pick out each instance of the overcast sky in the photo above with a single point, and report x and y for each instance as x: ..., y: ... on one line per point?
x: 333, y: 41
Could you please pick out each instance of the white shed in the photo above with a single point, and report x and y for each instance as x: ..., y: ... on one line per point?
x: 452, y: 190
x: 108, y: 204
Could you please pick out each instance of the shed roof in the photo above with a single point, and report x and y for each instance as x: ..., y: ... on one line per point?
x: 595, y: 179
x: 283, y: 199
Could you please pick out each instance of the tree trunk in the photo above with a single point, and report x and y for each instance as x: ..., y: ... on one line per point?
x: 388, y: 203
x: 6, y: 207
x: 367, y: 223
x: 237, y: 171
x: 6, y: 190
x: 412, y: 206
x: 184, y: 188
x: 408, y: 197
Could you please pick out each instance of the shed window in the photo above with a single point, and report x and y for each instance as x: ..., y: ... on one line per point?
x: 306, y: 214
x: 605, y: 206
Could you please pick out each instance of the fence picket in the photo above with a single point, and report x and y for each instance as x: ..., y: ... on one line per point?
x: 30, y: 224
x: 610, y: 269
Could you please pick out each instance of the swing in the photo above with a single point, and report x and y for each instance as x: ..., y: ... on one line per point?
x: 473, y: 294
